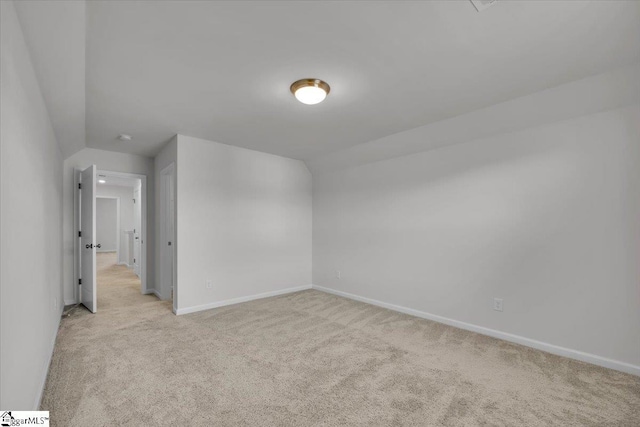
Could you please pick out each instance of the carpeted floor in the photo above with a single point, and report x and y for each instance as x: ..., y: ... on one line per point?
x: 309, y: 359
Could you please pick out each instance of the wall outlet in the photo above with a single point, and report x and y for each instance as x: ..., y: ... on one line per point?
x: 497, y: 304
x: 209, y: 284
x: 338, y: 275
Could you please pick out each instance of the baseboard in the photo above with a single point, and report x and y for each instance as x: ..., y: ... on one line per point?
x: 233, y: 301
x: 539, y: 345
x: 125, y: 264
x: 70, y: 302
x: 47, y: 365
x: 153, y: 291
x: 101, y: 251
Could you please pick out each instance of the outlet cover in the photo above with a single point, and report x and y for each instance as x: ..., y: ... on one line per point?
x: 497, y: 304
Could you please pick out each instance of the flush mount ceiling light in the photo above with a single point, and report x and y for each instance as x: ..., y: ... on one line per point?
x: 102, y: 181
x: 310, y: 91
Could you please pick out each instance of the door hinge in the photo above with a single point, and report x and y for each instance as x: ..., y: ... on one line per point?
x: 79, y: 233
x: 80, y: 185
x: 79, y: 281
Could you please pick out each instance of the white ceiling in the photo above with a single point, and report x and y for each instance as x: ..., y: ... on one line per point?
x: 221, y: 70
x: 118, y: 180
x: 55, y: 33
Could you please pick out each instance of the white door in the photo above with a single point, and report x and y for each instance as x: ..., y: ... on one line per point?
x: 88, y: 291
x: 167, y: 218
x: 137, y: 230
x: 171, y: 247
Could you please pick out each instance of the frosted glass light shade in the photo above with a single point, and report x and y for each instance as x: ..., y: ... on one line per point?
x: 310, y: 91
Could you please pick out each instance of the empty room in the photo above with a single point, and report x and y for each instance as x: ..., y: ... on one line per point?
x: 320, y: 213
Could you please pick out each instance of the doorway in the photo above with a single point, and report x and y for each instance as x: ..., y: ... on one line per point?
x: 111, y: 252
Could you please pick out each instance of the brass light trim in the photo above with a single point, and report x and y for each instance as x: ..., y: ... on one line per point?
x: 309, y: 83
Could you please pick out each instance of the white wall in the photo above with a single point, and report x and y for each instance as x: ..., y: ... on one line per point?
x: 106, y: 161
x: 244, y: 222
x: 546, y: 218
x: 167, y: 156
x: 30, y: 224
x: 107, y: 213
x: 607, y: 91
x: 125, y: 195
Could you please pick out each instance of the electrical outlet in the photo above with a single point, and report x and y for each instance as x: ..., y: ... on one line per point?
x: 338, y: 275
x: 209, y: 284
x: 497, y: 304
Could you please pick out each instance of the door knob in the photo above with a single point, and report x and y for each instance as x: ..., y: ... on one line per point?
x: 89, y: 246
x: 98, y: 246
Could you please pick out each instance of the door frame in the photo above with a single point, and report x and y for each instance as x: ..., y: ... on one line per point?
x: 117, y: 199
x: 143, y: 231
x: 168, y: 172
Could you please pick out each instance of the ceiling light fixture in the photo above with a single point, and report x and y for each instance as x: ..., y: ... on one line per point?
x: 310, y: 91
x: 123, y: 137
x: 102, y: 181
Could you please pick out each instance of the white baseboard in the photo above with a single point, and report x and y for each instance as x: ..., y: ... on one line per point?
x: 539, y: 345
x: 232, y: 301
x: 47, y: 364
x: 70, y: 302
x: 153, y: 291
x: 125, y: 264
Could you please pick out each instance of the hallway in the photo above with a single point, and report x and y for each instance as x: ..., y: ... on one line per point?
x: 117, y: 284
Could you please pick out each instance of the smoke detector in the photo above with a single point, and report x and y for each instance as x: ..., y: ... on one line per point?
x: 124, y: 137
x: 481, y: 5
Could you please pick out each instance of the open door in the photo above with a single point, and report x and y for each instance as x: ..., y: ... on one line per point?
x: 137, y: 230
x: 88, y: 291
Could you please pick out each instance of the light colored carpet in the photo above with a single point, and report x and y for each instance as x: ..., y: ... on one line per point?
x: 310, y: 359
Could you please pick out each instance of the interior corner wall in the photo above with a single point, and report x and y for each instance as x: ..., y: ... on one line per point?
x: 107, y: 161
x: 164, y: 158
x: 547, y: 219
x: 243, y: 223
x: 30, y: 224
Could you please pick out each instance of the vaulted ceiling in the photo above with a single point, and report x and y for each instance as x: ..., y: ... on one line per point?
x: 221, y: 70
